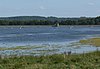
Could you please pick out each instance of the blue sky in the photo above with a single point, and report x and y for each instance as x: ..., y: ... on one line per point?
x: 58, y: 8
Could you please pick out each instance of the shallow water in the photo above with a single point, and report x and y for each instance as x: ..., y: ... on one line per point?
x: 58, y: 39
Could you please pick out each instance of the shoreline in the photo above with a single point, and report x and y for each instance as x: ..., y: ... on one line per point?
x: 73, y: 46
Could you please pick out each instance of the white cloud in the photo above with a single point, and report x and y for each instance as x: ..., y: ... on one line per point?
x: 91, y: 4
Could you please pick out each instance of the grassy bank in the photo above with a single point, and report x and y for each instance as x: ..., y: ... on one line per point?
x: 92, y: 41
x: 57, y: 61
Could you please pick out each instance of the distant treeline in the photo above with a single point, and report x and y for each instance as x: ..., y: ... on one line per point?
x: 37, y: 20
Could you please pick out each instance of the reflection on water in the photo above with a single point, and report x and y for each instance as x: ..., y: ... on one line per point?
x: 55, y: 39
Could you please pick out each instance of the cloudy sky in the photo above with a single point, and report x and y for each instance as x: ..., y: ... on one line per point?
x: 59, y: 8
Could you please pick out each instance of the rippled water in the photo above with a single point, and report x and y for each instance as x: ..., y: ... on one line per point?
x: 58, y: 38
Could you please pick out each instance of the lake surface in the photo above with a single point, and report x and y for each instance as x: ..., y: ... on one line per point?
x: 59, y: 38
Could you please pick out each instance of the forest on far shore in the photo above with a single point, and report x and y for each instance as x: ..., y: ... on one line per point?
x: 39, y: 20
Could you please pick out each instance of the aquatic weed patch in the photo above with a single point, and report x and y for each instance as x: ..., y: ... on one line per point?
x: 20, y: 48
x: 92, y: 41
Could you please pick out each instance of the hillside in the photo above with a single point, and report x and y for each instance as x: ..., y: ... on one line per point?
x: 36, y: 18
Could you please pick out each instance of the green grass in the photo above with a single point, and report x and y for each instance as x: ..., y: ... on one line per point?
x: 92, y: 41
x: 56, y: 61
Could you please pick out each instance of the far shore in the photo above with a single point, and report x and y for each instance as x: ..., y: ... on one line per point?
x: 44, y: 25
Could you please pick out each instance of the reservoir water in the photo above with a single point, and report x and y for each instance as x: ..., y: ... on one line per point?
x: 57, y: 39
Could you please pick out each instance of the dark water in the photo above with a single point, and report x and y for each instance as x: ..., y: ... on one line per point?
x: 14, y: 36
x: 45, y: 34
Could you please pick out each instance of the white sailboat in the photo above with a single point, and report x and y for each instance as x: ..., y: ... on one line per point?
x: 20, y: 27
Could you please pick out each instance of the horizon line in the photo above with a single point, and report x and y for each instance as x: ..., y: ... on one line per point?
x: 48, y: 16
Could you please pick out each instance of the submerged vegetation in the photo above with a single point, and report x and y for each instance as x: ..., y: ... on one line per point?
x: 20, y: 48
x: 56, y: 61
x: 91, y: 41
